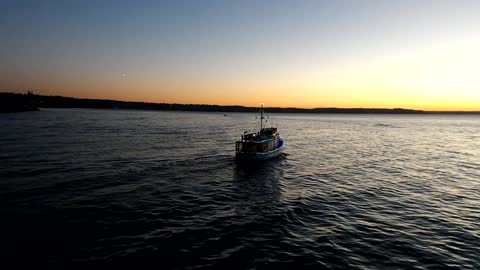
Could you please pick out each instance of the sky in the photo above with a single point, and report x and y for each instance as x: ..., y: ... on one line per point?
x: 416, y: 54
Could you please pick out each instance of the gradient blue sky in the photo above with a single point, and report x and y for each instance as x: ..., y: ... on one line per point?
x: 417, y: 54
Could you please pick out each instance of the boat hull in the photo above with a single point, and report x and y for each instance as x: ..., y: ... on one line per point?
x: 257, y: 156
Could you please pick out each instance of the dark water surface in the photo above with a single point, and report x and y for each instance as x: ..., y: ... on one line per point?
x: 118, y: 188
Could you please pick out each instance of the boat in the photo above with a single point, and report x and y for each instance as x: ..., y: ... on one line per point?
x: 262, y: 145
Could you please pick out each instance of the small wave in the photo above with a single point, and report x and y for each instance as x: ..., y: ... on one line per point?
x: 386, y: 126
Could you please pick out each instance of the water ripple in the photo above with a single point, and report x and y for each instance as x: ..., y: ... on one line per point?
x: 351, y: 192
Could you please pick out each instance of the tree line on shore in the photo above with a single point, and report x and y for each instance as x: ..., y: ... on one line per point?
x: 14, y: 102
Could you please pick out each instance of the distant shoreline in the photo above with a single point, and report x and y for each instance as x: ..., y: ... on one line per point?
x: 13, y: 102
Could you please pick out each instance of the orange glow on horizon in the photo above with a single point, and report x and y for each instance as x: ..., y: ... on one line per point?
x: 442, y: 78
x: 287, y: 100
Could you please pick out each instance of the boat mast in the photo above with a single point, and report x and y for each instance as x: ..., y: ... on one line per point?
x: 261, y: 116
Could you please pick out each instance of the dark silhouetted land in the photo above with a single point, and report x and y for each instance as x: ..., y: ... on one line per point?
x: 12, y: 102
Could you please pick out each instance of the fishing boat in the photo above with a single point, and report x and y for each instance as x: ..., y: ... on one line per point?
x: 262, y: 145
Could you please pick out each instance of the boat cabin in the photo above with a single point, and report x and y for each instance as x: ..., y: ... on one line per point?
x: 267, y: 139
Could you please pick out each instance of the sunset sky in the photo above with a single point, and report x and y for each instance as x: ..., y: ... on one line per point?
x: 411, y: 54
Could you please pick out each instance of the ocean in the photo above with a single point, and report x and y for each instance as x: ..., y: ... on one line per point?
x: 158, y: 189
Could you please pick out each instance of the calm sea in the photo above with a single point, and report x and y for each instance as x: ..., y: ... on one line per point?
x: 89, y: 188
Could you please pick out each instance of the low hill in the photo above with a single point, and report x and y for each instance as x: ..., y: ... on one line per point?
x: 12, y: 102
